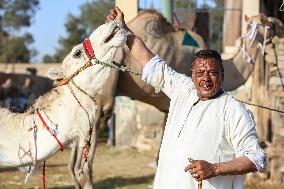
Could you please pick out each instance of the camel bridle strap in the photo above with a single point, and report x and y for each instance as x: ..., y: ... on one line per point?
x: 118, y: 67
x: 90, y: 53
x: 88, y: 48
x: 88, y: 140
x: 92, y: 61
x: 49, y: 130
x: 81, y: 90
x: 66, y: 80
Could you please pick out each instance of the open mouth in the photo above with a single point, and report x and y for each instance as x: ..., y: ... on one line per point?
x: 207, y: 86
x: 115, y: 30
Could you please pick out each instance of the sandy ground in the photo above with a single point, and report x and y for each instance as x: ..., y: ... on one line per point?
x: 113, y: 168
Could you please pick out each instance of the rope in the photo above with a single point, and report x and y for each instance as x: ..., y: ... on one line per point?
x: 262, y: 46
x: 251, y: 34
x: 114, y: 65
x: 117, y: 67
x: 260, y: 106
x: 89, y: 137
x: 49, y: 130
x: 34, y: 127
x: 66, y: 80
x: 43, y: 176
x: 80, y: 89
x: 282, y: 6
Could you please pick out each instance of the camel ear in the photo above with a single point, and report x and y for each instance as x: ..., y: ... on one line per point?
x: 56, y: 73
x: 153, y: 28
x: 246, y: 18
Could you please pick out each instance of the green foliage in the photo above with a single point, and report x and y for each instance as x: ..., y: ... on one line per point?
x: 18, y: 13
x: 183, y: 4
x: 92, y: 15
x: 216, y: 25
x: 50, y: 59
x: 14, y: 49
x: 14, y: 15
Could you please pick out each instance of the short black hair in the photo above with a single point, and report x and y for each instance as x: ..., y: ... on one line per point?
x: 207, y: 54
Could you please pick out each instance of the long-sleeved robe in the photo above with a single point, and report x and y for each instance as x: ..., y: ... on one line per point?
x: 215, y: 130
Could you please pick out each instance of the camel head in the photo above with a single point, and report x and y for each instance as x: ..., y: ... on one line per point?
x: 100, y: 45
x: 260, y: 27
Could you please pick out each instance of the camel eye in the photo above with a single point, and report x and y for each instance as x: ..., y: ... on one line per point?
x: 77, y: 54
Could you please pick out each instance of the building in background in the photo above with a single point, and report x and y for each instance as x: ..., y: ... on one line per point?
x: 219, y: 22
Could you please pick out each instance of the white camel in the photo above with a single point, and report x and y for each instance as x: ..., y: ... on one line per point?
x: 69, y: 111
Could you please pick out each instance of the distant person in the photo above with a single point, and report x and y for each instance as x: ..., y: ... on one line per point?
x: 209, y: 136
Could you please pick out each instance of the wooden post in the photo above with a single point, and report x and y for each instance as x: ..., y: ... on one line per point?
x: 200, y: 184
x: 167, y: 9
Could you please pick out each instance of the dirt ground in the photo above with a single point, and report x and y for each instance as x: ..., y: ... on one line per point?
x: 113, y: 169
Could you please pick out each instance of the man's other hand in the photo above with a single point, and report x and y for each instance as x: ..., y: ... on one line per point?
x: 201, y: 170
x: 115, y: 14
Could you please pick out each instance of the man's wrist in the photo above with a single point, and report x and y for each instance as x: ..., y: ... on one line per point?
x: 217, y: 169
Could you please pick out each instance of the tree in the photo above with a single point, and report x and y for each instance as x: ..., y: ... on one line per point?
x: 14, y: 49
x: 92, y: 15
x: 14, y: 15
x: 216, y: 25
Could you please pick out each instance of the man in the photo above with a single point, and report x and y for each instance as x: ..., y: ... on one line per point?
x: 209, y: 135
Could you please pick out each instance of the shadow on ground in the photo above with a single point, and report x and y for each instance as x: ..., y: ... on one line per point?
x: 118, y: 182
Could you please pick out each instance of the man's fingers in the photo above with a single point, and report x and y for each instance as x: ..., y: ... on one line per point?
x: 109, y: 18
x: 192, y: 171
x: 112, y: 11
x: 117, y: 9
x: 186, y: 168
x: 190, y: 167
x: 191, y: 160
x: 112, y: 16
x: 119, y: 13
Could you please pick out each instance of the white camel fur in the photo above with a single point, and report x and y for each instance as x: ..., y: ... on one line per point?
x: 69, y: 119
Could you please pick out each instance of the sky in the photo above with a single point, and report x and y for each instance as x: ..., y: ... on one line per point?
x: 49, y: 20
x: 48, y: 24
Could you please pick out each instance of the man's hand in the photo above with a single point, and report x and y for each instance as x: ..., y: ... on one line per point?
x: 201, y: 170
x: 136, y: 46
x: 115, y: 14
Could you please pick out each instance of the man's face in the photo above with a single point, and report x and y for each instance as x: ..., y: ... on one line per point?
x: 207, y: 77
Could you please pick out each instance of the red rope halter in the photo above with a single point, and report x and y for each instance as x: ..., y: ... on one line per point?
x: 88, y: 48
x: 49, y: 130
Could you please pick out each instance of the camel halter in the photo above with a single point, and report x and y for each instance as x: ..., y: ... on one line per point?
x: 92, y: 61
x: 52, y: 129
x: 251, y: 34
